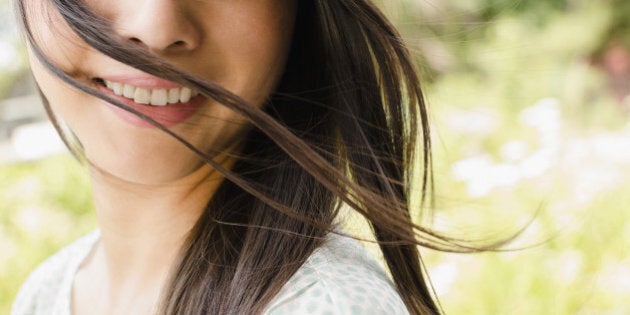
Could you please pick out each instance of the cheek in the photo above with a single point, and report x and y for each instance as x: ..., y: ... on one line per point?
x: 56, y: 40
x: 254, y: 47
x: 63, y: 99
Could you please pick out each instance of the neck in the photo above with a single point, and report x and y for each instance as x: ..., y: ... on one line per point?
x: 143, y: 227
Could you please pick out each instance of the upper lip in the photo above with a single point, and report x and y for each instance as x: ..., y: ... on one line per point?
x: 148, y: 82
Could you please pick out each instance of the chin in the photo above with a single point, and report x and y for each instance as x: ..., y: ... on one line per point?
x: 146, y: 171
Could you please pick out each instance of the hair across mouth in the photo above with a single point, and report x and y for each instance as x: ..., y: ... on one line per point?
x: 154, y: 97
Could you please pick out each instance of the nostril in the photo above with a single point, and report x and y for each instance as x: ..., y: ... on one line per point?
x: 179, y: 43
x: 135, y: 40
x: 138, y: 42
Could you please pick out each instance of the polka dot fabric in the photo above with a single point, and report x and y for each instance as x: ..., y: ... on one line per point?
x: 49, y: 287
x: 338, y: 278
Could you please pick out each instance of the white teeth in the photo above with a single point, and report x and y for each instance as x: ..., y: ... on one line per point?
x: 185, y: 95
x: 173, y: 95
x: 142, y: 96
x: 129, y: 91
x: 158, y: 97
x: 117, y: 87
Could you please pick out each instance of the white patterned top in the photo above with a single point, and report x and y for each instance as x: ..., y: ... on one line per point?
x: 339, y: 278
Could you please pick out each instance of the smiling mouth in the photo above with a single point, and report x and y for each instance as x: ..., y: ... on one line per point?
x: 153, y: 97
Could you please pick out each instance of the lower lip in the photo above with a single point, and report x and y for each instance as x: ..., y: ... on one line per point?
x: 167, y: 116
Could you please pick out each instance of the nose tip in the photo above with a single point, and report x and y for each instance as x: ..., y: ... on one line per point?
x: 163, y: 28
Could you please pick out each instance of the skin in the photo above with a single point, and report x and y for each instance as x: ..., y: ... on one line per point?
x: 149, y: 190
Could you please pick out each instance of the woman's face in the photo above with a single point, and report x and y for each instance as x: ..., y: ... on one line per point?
x: 240, y: 44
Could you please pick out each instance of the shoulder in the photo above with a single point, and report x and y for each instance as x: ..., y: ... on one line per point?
x: 50, y: 283
x: 339, y: 278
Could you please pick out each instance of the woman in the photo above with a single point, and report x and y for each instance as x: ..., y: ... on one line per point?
x: 223, y: 138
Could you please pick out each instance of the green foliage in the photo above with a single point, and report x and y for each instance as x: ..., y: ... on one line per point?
x: 526, y: 123
x: 45, y: 205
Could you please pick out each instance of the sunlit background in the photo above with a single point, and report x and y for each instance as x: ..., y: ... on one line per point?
x: 530, y: 102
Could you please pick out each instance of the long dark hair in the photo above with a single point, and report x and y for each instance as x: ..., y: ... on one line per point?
x: 353, y: 142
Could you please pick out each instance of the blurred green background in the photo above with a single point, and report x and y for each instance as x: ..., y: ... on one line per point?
x: 530, y: 103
